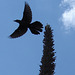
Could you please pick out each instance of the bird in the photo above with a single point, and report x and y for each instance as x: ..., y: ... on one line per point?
x: 25, y: 23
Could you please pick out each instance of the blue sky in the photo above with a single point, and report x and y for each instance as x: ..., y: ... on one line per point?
x: 22, y: 56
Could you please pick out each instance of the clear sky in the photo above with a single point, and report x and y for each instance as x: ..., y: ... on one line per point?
x: 22, y: 56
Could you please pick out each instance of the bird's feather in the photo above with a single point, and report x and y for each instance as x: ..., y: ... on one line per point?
x: 36, y: 27
x: 18, y: 32
x: 27, y: 14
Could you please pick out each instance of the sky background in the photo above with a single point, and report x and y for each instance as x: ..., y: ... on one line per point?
x: 22, y: 56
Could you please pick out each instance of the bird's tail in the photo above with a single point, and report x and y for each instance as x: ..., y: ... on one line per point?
x: 36, y: 27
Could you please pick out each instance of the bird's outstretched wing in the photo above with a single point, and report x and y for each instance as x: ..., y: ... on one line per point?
x: 18, y: 32
x: 27, y: 14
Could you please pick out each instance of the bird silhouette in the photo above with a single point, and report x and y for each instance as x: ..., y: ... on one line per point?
x: 25, y: 23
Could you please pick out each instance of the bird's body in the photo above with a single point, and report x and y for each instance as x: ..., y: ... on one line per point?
x: 25, y: 23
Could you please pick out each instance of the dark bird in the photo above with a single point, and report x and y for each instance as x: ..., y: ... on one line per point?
x: 25, y: 23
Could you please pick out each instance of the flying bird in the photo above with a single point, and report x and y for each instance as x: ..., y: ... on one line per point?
x: 25, y: 23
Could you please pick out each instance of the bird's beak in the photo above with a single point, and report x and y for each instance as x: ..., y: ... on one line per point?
x: 18, y: 21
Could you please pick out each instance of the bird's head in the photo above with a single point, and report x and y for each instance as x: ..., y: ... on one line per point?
x: 18, y: 21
